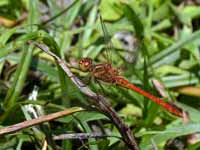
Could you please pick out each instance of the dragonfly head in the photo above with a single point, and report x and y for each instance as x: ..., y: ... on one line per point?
x: 85, y: 64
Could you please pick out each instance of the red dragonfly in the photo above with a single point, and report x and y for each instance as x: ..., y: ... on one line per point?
x: 106, y: 73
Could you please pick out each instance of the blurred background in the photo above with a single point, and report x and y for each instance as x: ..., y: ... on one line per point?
x: 154, y: 43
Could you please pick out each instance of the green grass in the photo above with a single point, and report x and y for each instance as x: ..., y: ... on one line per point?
x: 167, y: 36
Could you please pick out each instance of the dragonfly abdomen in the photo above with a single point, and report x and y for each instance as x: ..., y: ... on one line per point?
x: 169, y: 107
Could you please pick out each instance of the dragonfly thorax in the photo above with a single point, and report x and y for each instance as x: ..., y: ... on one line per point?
x: 85, y: 64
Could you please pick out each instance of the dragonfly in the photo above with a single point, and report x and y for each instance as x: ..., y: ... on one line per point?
x: 107, y: 73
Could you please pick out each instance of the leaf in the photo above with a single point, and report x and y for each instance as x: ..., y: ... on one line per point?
x: 4, y: 2
x: 6, y: 35
x: 19, y: 79
x: 110, y: 10
x: 162, y: 12
x: 93, y: 51
x: 134, y: 20
x: 171, y: 52
x: 188, y: 13
x: 180, y: 80
x: 159, y: 137
x: 167, y: 69
x: 88, y: 32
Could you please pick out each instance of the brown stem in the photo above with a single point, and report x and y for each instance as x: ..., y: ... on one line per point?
x: 39, y: 120
x: 98, y: 100
x: 82, y: 136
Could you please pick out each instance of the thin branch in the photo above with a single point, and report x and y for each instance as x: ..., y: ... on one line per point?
x: 39, y: 120
x: 82, y: 136
x: 99, y: 101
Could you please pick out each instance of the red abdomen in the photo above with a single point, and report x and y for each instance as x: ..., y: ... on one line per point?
x: 169, y: 107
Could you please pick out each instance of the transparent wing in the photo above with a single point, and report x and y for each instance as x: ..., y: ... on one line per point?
x: 107, y: 39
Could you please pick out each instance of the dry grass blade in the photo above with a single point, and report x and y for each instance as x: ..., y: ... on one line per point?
x: 39, y: 120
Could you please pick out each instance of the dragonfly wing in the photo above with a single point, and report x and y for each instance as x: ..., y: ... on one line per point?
x: 107, y: 40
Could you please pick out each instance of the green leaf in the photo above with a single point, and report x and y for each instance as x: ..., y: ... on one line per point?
x: 167, y: 69
x: 162, y: 12
x: 134, y: 20
x: 180, y: 80
x: 171, y: 52
x: 20, y: 76
x: 110, y: 10
x: 159, y: 137
x: 6, y: 35
x: 188, y: 13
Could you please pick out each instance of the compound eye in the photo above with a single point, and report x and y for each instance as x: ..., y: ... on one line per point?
x: 81, y: 61
x: 86, y: 64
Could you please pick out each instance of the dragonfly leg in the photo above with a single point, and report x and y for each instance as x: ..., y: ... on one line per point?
x: 101, y: 87
x: 87, y: 82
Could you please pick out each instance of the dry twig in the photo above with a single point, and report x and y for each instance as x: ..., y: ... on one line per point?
x: 82, y: 136
x: 39, y: 120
